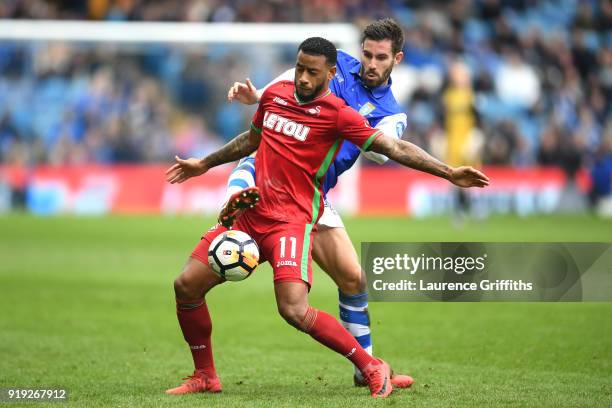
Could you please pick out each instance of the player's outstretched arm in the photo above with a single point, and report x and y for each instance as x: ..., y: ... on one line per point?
x: 414, y: 157
x: 241, y: 146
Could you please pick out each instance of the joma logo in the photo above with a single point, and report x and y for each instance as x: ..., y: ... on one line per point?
x: 283, y: 125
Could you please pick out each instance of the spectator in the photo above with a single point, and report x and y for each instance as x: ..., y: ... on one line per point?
x: 516, y: 83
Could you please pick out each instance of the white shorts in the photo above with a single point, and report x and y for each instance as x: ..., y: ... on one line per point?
x: 330, y: 217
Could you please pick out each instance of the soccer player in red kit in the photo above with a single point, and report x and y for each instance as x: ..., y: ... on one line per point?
x: 296, y: 133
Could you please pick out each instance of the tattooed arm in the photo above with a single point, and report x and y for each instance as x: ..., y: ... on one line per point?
x: 241, y: 146
x: 414, y: 157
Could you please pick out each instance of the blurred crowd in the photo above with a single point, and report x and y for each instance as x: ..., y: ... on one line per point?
x: 258, y: 11
x: 536, y: 76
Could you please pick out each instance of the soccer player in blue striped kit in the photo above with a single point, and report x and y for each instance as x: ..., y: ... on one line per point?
x: 366, y: 86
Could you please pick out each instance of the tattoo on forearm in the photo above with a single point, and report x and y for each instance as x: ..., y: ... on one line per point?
x: 411, y: 155
x: 239, y: 147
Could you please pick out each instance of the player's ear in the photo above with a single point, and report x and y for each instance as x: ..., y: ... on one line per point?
x: 332, y: 73
x: 399, y: 57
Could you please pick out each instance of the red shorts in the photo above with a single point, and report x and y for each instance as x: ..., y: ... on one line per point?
x: 286, y: 246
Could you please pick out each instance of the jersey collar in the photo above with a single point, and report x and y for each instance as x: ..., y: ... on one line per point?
x: 297, y: 99
x: 378, y: 91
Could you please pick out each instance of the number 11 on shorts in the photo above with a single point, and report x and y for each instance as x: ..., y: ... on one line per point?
x: 293, y: 242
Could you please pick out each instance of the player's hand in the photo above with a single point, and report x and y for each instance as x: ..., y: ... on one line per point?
x: 184, y: 169
x: 245, y: 93
x: 466, y: 176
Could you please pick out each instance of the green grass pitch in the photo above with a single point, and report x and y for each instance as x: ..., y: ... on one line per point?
x: 87, y: 304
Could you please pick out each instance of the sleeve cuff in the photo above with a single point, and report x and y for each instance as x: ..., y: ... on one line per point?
x: 367, y: 143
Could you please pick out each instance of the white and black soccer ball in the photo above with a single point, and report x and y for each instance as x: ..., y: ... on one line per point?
x: 233, y: 255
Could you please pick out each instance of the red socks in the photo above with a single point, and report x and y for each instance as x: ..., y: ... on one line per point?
x: 325, y: 329
x: 196, y: 325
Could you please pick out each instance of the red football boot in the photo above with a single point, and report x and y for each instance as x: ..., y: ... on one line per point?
x: 398, y: 380
x: 378, y: 377
x: 198, y: 382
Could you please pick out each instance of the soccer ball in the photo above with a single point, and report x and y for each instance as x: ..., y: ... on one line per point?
x: 233, y: 255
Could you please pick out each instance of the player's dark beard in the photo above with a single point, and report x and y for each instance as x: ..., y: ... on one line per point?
x: 372, y: 84
x: 307, y: 98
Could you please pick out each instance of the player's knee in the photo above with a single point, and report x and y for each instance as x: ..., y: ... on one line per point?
x: 353, y: 281
x: 183, y: 289
x: 293, y: 314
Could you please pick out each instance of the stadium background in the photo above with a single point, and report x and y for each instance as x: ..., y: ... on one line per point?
x: 87, y: 128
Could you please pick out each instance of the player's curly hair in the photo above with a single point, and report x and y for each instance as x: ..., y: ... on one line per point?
x: 320, y: 46
x: 385, y: 29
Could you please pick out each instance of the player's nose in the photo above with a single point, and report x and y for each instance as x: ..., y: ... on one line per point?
x: 303, y: 82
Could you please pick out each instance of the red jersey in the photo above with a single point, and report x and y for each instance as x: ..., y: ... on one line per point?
x: 298, y: 144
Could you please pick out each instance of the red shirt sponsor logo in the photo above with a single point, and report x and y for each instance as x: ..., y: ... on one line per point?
x: 283, y: 125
